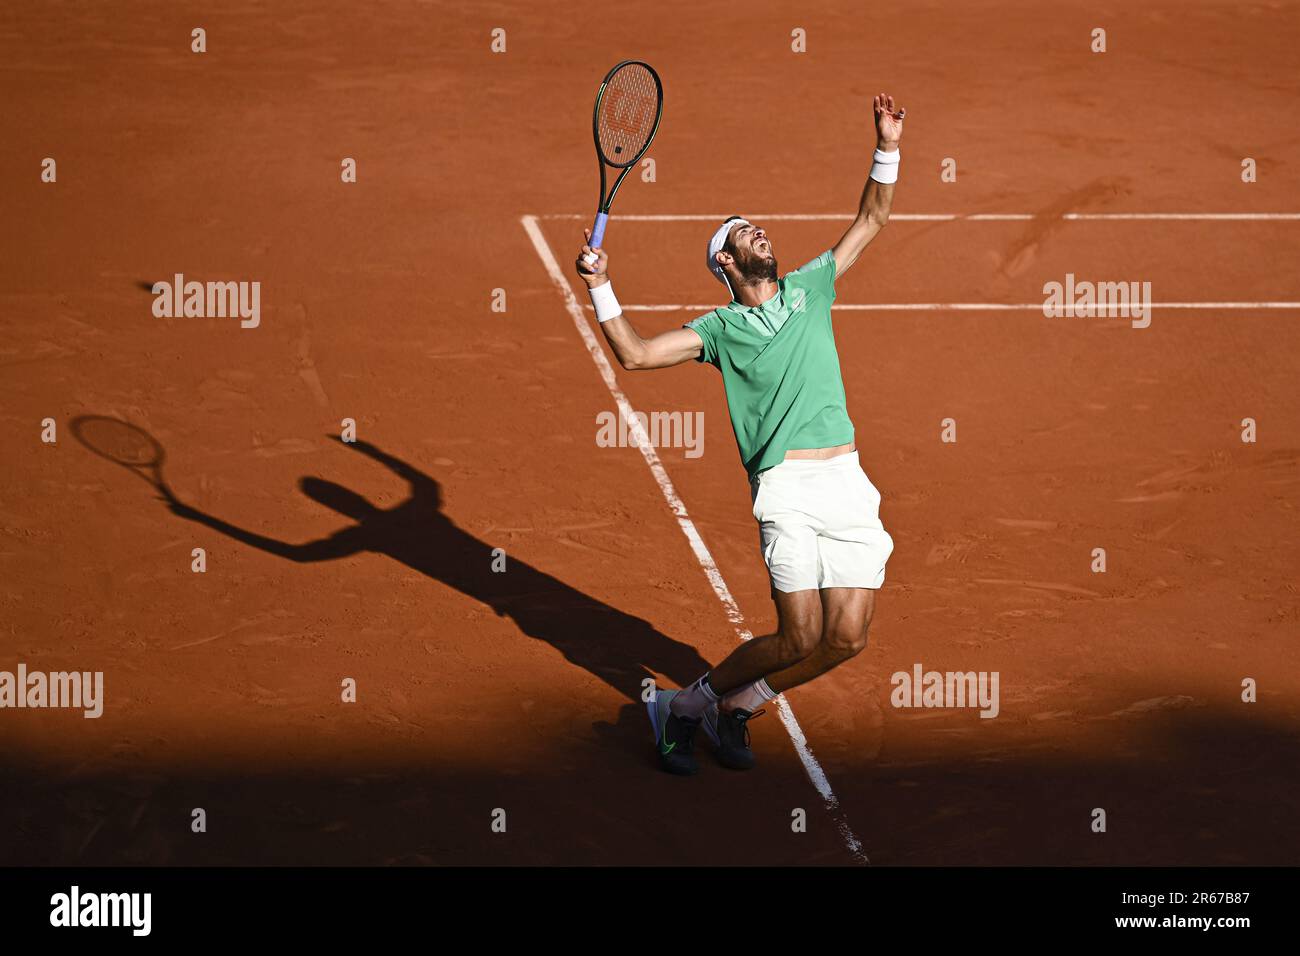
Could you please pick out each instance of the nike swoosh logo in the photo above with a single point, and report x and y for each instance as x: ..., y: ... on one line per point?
x: 665, y: 748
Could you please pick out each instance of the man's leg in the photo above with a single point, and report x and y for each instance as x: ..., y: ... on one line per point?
x: 800, y: 625
x: 799, y: 631
x: 846, y: 615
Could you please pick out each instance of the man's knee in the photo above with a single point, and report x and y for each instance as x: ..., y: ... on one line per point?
x: 845, y: 641
x: 844, y: 635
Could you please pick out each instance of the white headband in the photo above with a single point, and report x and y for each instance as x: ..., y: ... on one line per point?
x: 715, y: 246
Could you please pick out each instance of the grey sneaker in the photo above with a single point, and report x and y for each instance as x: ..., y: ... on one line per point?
x: 674, y: 736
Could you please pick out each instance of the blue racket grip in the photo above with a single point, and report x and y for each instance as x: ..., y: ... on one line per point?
x: 598, y: 230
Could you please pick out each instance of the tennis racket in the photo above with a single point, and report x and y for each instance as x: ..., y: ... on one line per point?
x: 629, y: 105
x: 123, y: 444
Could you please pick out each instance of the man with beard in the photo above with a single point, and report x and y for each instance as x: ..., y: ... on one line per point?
x: 818, y: 513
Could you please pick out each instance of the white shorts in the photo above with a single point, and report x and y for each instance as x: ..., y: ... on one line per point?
x: 819, y: 524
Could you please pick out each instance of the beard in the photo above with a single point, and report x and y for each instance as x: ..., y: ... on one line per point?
x: 754, y: 268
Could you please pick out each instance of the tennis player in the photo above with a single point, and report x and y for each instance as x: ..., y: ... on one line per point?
x: 817, y: 512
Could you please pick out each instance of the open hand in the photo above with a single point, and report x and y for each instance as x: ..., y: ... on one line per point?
x: 889, y: 122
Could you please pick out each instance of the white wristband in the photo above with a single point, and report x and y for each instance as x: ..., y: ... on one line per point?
x: 884, y: 166
x: 603, y: 298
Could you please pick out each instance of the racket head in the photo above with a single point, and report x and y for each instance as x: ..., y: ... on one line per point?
x: 629, y: 106
x: 120, y: 442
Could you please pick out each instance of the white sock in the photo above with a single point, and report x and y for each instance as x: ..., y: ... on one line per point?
x: 749, y: 698
x: 694, y: 700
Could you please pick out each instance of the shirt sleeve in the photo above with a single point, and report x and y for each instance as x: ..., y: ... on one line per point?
x: 708, y: 327
x: 820, y: 270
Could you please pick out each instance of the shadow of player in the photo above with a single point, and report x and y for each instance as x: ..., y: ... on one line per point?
x: 620, y: 649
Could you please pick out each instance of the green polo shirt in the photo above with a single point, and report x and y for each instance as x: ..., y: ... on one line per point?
x: 780, y: 368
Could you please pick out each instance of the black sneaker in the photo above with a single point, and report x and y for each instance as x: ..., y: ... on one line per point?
x: 729, y: 731
x: 674, y: 736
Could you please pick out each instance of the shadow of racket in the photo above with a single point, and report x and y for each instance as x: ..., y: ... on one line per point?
x: 124, y: 444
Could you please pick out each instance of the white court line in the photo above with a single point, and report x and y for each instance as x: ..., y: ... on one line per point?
x: 637, y: 431
x: 976, y: 217
x: 969, y: 217
x: 968, y: 306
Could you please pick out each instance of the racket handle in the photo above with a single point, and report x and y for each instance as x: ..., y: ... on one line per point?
x: 598, y: 230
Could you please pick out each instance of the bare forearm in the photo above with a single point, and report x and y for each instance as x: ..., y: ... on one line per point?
x: 873, y: 214
x: 877, y: 201
x: 629, y: 348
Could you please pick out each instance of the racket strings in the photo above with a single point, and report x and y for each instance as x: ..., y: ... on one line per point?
x: 118, y: 441
x: 628, y: 114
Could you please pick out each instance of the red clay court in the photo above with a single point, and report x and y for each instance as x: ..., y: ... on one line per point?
x: 480, y: 691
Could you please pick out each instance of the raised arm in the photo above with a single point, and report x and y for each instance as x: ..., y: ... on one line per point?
x: 341, y: 544
x: 877, y: 197
x: 632, y: 351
